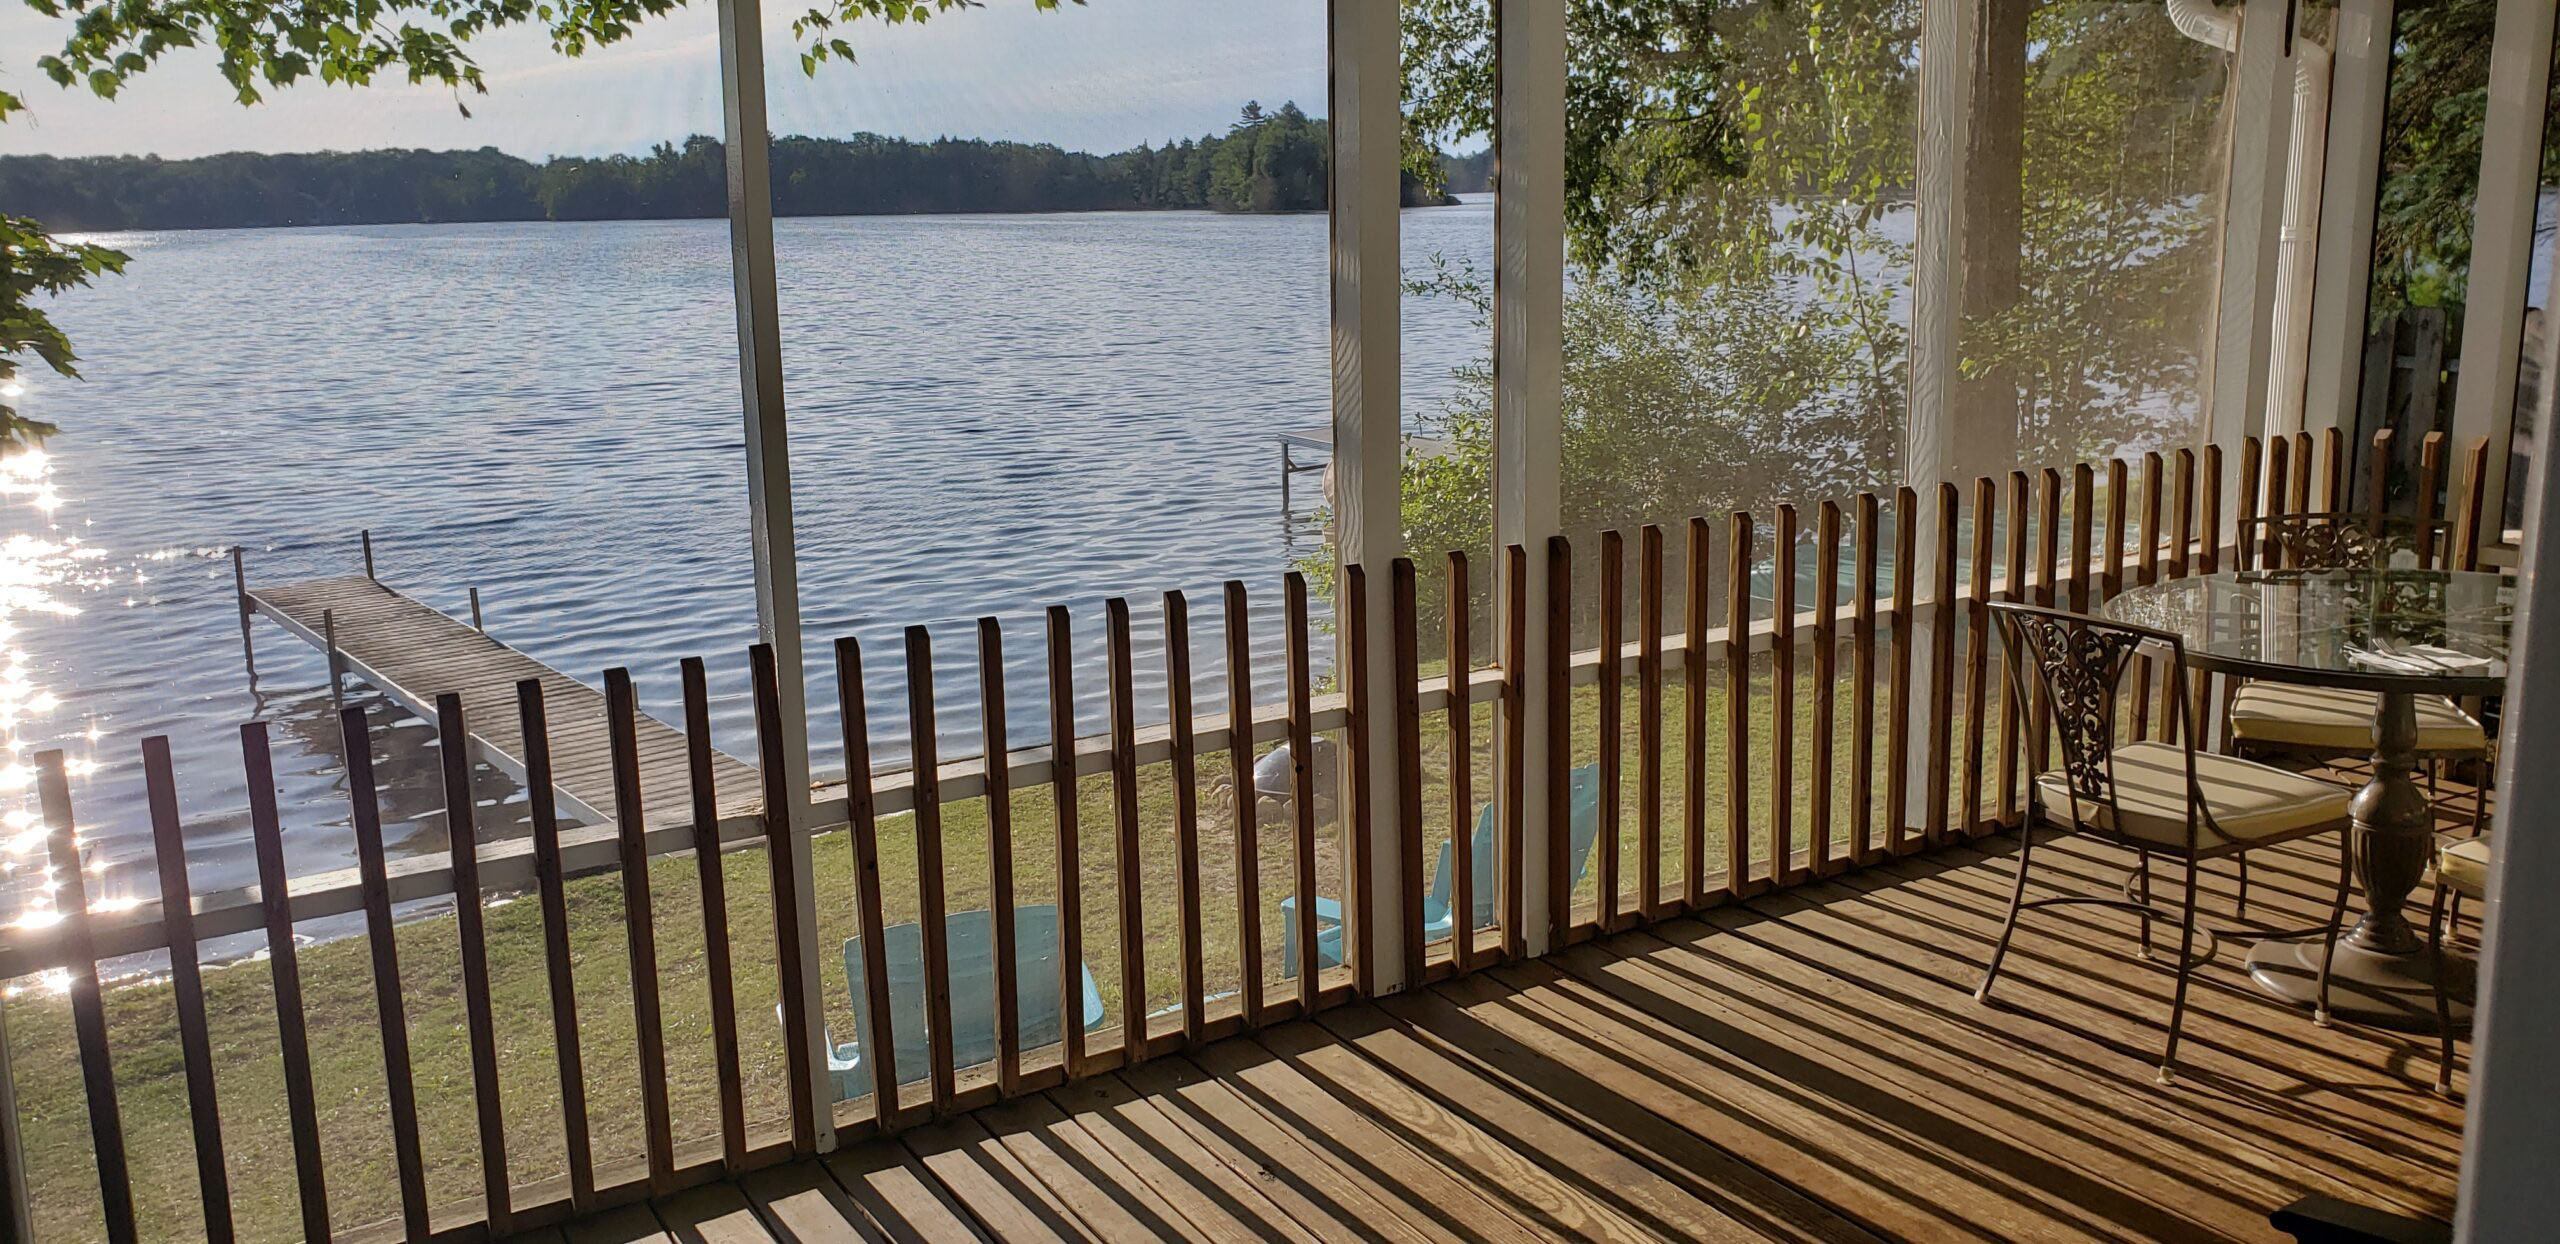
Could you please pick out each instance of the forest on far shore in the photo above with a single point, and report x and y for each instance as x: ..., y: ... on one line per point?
x: 1268, y: 161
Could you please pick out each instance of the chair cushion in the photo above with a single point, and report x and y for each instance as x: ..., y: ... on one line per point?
x: 2463, y: 863
x: 2331, y: 719
x: 2249, y: 801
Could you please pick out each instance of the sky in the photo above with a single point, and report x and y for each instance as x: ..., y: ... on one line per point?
x: 1104, y: 77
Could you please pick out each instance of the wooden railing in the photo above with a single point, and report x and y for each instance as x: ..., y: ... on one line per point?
x: 1705, y: 820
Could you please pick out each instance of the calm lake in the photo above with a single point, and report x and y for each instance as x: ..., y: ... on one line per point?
x: 989, y: 415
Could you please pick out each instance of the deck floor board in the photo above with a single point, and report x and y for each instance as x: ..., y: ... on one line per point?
x: 1808, y: 1064
x: 415, y: 653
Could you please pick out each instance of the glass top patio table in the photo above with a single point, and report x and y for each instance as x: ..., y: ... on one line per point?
x: 2439, y: 631
x: 2400, y: 634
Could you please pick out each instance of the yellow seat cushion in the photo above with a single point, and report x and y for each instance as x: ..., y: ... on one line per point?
x: 2248, y: 801
x: 2463, y: 863
x: 2334, y: 720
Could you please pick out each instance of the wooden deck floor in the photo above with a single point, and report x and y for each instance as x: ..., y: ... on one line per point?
x: 413, y: 653
x: 1809, y: 1065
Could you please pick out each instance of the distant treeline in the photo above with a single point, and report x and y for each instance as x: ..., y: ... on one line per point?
x: 1266, y: 162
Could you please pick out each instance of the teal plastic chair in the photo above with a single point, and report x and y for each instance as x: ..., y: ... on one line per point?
x: 1437, y: 919
x: 972, y: 953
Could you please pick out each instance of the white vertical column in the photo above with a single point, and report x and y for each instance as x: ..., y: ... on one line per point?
x: 1929, y: 438
x: 751, y: 268
x: 1528, y: 369
x: 2511, y: 1135
x: 2342, y: 272
x: 1368, y: 420
x: 2502, y: 239
x: 2262, y: 109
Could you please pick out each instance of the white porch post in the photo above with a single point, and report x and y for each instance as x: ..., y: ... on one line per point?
x: 2262, y: 109
x: 1935, y: 433
x: 2502, y: 239
x: 2511, y: 1135
x: 2359, y: 82
x: 751, y: 268
x: 1528, y: 370
x: 1368, y: 421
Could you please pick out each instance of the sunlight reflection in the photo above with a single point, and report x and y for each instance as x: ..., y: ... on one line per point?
x: 36, y: 563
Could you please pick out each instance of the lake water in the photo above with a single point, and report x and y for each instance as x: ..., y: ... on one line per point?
x: 989, y: 415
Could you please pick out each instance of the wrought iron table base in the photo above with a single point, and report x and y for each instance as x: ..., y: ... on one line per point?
x: 2381, y: 973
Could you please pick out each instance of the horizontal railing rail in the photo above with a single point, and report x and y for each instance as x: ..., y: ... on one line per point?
x: 1741, y: 802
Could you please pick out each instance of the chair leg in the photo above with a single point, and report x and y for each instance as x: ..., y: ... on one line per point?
x: 2444, y: 1010
x: 2142, y: 884
x: 2017, y: 899
x: 2186, y: 968
x: 2329, y: 939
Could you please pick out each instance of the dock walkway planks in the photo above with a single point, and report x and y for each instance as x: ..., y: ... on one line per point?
x: 414, y: 653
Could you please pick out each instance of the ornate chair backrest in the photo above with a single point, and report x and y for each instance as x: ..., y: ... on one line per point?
x: 2340, y: 540
x: 2079, y: 664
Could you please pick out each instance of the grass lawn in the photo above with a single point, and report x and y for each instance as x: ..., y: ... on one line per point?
x: 346, y: 1048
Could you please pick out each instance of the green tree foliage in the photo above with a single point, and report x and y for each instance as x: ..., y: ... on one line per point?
x: 33, y: 264
x: 1276, y: 165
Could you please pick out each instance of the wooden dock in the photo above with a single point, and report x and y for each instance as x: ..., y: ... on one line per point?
x: 413, y: 653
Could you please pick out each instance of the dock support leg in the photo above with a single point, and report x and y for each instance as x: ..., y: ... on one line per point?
x: 367, y: 535
x: 240, y: 592
x: 476, y: 624
x: 329, y: 643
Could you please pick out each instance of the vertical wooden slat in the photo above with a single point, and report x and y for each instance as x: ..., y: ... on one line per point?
x: 453, y: 748
x: 2209, y: 512
x: 399, y: 1091
x: 1862, y: 672
x: 1462, y: 877
x: 1559, y: 749
x: 878, y: 1036
x: 1404, y: 623
x: 1613, y: 642
x: 2146, y: 570
x: 1186, y: 811
x: 640, y: 928
x: 1693, y: 738
x: 993, y: 751
x: 1942, y: 665
x: 2181, y: 537
x: 924, y: 751
x: 712, y: 879
x: 1826, y: 678
x: 1248, y: 844
x: 1649, y: 719
x: 1977, y: 648
x: 1897, y: 738
x: 1742, y: 533
x: 186, y: 981
x: 1062, y: 798
x: 2244, y: 554
x: 2298, y: 500
x: 2333, y: 459
x: 2466, y: 519
x: 1782, y: 699
x: 2083, y: 513
x: 2013, y: 574
x: 2119, y: 503
x: 1302, y: 783
x: 2378, y: 468
x: 1124, y: 814
x: 2430, y: 487
x: 88, y: 1005
x: 2048, y: 567
x: 791, y: 955
x: 2270, y: 552
x: 1511, y: 748
x: 534, y: 721
x: 1359, y: 696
